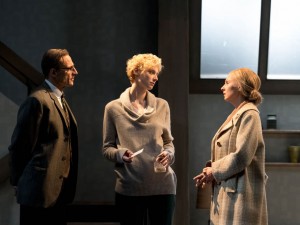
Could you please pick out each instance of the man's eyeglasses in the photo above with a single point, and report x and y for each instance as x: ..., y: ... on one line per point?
x: 72, y: 68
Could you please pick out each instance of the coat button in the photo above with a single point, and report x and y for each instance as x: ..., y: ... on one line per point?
x: 63, y: 158
x: 61, y: 177
x: 219, y: 144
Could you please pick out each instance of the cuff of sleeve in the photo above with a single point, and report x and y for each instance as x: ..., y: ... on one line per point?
x: 120, y: 153
x: 172, y: 156
x: 215, y: 174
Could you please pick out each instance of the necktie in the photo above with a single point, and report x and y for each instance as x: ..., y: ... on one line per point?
x: 64, y: 104
x: 68, y: 151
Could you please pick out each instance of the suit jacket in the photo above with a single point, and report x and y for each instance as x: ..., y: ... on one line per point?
x: 238, y: 165
x: 39, y: 150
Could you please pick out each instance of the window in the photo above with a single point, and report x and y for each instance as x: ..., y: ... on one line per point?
x: 284, y: 44
x: 218, y: 43
x: 225, y: 43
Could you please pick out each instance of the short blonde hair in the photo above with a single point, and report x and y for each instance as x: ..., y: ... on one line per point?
x: 140, y: 63
x: 250, y: 84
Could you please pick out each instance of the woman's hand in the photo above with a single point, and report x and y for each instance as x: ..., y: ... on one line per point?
x: 204, y: 178
x: 127, y: 156
x: 200, y: 180
x: 207, y: 171
x: 164, y: 158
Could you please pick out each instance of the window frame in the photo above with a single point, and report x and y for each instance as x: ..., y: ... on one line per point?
x: 212, y: 86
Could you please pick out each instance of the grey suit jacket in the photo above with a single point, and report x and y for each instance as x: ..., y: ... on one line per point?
x: 39, y: 150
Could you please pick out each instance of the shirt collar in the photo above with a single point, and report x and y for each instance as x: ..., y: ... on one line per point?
x: 55, y: 90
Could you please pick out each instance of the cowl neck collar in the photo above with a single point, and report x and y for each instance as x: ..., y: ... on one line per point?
x: 149, y: 110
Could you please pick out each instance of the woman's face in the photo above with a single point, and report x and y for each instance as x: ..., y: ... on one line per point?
x: 230, y: 90
x: 147, y: 78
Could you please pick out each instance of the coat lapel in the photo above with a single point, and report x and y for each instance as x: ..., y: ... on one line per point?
x: 57, y: 104
x: 224, y: 128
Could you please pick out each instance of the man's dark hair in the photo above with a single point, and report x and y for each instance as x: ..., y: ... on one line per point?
x: 51, y: 59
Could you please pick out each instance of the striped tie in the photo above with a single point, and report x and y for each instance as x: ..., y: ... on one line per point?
x: 64, y: 104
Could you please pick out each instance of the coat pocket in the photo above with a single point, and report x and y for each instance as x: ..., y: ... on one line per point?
x: 230, y: 185
x: 31, y: 186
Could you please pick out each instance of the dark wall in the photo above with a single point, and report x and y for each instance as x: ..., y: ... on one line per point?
x: 100, y: 36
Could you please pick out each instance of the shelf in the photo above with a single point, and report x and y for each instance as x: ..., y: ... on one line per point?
x: 275, y: 131
x: 276, y: 143
x: 282, y: 164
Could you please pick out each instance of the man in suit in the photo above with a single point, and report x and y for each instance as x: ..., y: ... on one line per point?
x: 44, y: 146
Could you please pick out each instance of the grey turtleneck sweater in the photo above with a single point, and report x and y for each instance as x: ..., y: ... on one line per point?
x: 124, y: 129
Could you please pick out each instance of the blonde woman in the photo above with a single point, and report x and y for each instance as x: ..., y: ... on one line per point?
x: 139, y: 122
x: 237, y: 169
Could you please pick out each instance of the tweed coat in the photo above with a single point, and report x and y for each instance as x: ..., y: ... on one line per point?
x: 39, y: 149
x: 238, y: 166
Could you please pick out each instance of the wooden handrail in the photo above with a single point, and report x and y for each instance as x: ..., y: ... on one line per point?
x: 18, y: 67
x: 25, y: 73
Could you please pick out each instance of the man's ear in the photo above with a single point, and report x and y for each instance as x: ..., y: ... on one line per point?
x: 52, y: 74
x: 53, y: 71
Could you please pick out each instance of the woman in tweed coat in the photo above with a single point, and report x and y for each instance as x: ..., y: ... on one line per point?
x: 139, y: 120
x: 237, y: 169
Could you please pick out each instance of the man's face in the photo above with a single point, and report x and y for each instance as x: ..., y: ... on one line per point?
x: 65, y: 75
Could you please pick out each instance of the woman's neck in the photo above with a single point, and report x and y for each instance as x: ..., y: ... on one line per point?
x: 137, y: 95
x: 138, y: 99
x: 240, y: 105
x: 234, y: 112
x: 237, y: 101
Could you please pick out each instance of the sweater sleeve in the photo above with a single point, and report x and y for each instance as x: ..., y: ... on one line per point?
x: 110, y: 150
x: 167, y: 136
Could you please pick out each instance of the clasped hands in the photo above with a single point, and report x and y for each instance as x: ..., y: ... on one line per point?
x: 164, y: 157
x: 204, y: 178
